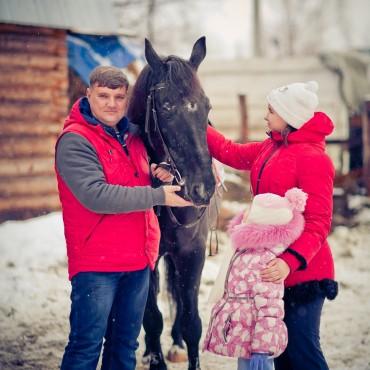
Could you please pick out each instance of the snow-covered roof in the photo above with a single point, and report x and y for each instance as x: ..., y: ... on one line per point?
x: 83, y: 16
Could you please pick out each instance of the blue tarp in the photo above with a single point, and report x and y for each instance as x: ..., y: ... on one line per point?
x: 85, y: 52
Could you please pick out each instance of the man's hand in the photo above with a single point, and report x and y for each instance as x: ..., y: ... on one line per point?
x: 160, y: 173
x: 172, y: 199
x: 276, y: 271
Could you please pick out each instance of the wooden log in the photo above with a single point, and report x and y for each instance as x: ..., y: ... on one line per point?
x: 29, y: 128
x: 33, y: 77
x: 11, y: 111
x: 32, y: 31
x: 366, y: 143
x: 13, y: 167
x: 43, y: 95
x: 42, y: 62
x: 243, y: 118
x: 26, y: 202
x: 39, y: 45
x: 28, y: 185
x: 32, y: 147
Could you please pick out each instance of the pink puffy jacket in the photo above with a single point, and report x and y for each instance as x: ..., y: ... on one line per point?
x: 249, y: 316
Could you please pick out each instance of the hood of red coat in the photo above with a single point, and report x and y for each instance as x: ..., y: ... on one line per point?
x: 313, y: 131
x: 75, y: 115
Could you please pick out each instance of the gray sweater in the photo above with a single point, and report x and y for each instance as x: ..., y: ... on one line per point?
x: 78, y: 165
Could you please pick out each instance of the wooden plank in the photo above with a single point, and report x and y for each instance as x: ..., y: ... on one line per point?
x: 39, y: 202
x: 28, y: 185
x: 29, y: 128
x: 13, y: 167
x: 21, y: 147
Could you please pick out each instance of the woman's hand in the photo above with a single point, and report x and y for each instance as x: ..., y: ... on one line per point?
x: 160, y: 173
x: 276, y: 271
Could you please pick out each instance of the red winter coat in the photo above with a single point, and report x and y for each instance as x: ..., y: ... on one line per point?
x: 109, y: 242
x: 275, y: 168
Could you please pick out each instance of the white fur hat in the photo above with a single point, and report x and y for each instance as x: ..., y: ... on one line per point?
x: 295, y: 103
x: 272, y: 209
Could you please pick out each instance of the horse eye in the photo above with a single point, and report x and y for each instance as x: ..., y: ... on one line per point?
x: 191, y: 106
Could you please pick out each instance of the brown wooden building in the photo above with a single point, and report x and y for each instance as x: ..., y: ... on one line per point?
x: 33, y: 105
x: 34, y: 89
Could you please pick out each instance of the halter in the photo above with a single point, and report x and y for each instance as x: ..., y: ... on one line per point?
x: 168, y: 163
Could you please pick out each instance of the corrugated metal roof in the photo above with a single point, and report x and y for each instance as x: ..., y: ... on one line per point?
x: 83, y: 16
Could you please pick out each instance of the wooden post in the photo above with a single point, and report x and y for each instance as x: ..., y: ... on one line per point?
x: 243, y: 118
x: 366, y: 143
x: 257, y: 28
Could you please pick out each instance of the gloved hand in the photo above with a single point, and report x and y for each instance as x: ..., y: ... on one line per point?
x: 260, y: 361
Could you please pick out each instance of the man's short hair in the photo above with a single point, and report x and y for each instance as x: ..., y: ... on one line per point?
x: 108, y: 76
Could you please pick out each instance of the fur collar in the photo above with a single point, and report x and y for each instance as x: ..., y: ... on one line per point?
x: 273, y: 237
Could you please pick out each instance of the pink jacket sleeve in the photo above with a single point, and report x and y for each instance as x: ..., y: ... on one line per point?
x: 239, y: 156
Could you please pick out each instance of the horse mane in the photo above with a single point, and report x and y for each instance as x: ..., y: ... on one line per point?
x: 176, y: 72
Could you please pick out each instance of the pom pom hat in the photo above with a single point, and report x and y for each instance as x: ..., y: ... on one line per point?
x: 295, y: 103
x: 272, y: 209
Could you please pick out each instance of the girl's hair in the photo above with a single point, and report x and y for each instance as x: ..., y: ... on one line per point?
x: 288, y: 129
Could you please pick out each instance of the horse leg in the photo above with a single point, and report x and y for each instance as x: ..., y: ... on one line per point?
x: 153, y: 326
x: 177, y: 351
x: 190, y: 265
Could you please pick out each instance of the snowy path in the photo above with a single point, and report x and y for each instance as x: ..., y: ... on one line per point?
x: 34, y: 299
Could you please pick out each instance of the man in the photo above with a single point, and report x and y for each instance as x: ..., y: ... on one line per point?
x: 111, y: 231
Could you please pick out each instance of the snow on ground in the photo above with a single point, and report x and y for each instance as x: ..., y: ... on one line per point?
x: 34, y: 298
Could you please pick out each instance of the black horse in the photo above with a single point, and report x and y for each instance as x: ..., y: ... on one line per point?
x: 172, y: 109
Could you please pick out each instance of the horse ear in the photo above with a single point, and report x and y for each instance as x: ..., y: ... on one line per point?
x: 152, y: 57
x: 198, y: 53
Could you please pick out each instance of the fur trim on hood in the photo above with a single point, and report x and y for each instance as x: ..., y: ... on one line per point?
x: 270, y: 237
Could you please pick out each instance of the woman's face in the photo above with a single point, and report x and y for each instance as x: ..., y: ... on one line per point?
x: 274, y: 121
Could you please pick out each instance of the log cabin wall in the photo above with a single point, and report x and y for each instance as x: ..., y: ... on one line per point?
x: 33, y: 106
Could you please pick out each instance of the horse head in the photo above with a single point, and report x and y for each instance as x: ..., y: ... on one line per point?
x: 172, y: 109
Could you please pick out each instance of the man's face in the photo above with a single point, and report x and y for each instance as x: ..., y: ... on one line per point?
x: 107, y: 105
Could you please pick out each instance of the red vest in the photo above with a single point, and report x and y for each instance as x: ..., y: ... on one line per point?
x: 109, y: 242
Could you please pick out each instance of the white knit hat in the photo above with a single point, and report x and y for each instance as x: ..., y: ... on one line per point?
x: 295, y: 103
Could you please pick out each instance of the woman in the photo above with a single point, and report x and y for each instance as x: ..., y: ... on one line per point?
x: 294, y: 156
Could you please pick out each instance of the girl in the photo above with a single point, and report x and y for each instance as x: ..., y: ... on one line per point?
x: 247, y: 321
x: 294, y: 155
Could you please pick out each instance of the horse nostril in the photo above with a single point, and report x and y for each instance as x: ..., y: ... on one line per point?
x: 199, y: 190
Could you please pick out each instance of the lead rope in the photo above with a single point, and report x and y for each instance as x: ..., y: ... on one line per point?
x: 215, y: 228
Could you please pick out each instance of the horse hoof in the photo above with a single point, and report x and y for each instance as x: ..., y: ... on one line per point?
x: 156, y: 362
x: 177, y: 354
x: 194, y: 364
x: 145, y: 360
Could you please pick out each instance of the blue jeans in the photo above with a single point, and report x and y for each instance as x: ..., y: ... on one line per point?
x: 106, y: 305
x: 243, y: 364
x: 304, y: 350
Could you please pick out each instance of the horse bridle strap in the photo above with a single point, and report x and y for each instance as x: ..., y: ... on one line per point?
x: 150, y: 107
x: 176, y: 222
